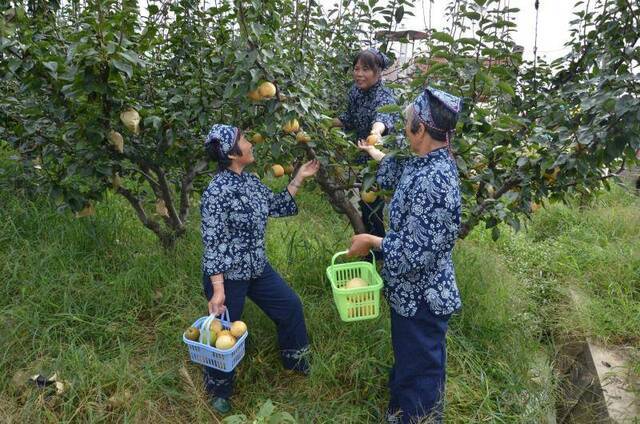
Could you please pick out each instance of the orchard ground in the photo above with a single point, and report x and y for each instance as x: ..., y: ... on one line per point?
x: 98, y: 302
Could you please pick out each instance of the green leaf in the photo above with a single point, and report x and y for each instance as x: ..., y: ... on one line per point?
x: 390, y: 109
x: 442, y: 36
x: 236, y: 419
x: 122, y: 66
x: 255, y: 75
x: 399, y: 14
x: 153, y: 121
x: 266, y: 409
x: 474, y: 16
x: 506, y: 88
x: 495, y: 233
x: 131, y: 56
x: 52, y: 66
x: 282, y: 418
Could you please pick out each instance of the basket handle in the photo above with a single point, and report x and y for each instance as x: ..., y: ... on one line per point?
x: 205, y: 336
x: 344, y: 252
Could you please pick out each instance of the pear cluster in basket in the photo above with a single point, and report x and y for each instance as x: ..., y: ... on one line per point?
x: 358, y: 309
x: 221, y: 338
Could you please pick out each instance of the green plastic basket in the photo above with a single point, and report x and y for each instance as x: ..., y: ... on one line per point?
x: 360, y: 303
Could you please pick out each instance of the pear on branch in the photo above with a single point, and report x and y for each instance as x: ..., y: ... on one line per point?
x: 161, y: 208
x: 116, y: 140
x: 116, y: 181
x: 254, y: 95
x: 131, y: 120
x: 267, y: 90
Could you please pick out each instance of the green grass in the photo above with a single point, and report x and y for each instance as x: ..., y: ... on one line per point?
x: 588, y: 253
x: 99, y: 302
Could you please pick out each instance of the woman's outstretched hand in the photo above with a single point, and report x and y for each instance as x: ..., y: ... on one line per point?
x: 371, y: 150
x: 309, y: 169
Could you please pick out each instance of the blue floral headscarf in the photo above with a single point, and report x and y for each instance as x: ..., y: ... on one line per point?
x: 422, y: 108
x: 383, y: 59
x: 226, y: 135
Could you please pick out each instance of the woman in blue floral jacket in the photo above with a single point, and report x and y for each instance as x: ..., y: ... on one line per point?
x: 367, y: 94
x: 235, y: 207
x: 418, y: 273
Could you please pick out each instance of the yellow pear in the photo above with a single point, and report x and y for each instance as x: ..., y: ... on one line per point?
x: 254, y: 95
x: 267, y: 90
x: 131, y: 120
x: 238, y: 328
x: 161, y: 208
x: 369, y: 196
x: 303, y: 137
x: 215, y: 326
x: 356, y: 283
x: 116, y: 140
x: 213, y: 336
x: 192, y: 333
x: 278, y: 170
x: 116, y: 181
x: 225, y: 341
x: 257, y: 138
x: 223, y: 332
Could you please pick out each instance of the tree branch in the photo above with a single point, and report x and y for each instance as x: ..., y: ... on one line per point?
x: 137, y: 206
x: 174, y: 219
x: 187, y: 187
x: 468, y: 225
x: 337, y: 198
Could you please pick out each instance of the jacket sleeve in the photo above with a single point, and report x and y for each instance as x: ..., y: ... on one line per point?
x: 389, y: 172
x: 384, y: 98
x: 282, y: 204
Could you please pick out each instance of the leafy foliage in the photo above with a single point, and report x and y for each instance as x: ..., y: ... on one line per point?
x: 529, y: 131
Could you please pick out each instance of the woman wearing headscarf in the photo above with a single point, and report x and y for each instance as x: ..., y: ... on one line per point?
x: 235, y: 207
x: 418, y: 273
x: 367, y: 94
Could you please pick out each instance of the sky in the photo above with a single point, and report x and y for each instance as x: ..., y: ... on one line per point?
x: 553, y: 23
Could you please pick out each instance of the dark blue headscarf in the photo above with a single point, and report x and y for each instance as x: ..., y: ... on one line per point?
x: 422, y: 107
x: 383, y: 59
x: 226, y: 135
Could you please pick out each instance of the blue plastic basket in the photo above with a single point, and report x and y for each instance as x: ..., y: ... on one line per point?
x: 204, y: 354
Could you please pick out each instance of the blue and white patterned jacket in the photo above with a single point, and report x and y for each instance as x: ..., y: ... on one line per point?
x: 424, y: 220
x: 234, y: 209
x: 362, y: 109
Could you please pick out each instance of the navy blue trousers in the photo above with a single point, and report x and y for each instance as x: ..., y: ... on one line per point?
x: 281, y: 304
x: 417, y: 379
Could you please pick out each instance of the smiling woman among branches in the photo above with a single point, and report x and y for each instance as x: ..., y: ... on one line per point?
x: 367, y: 94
